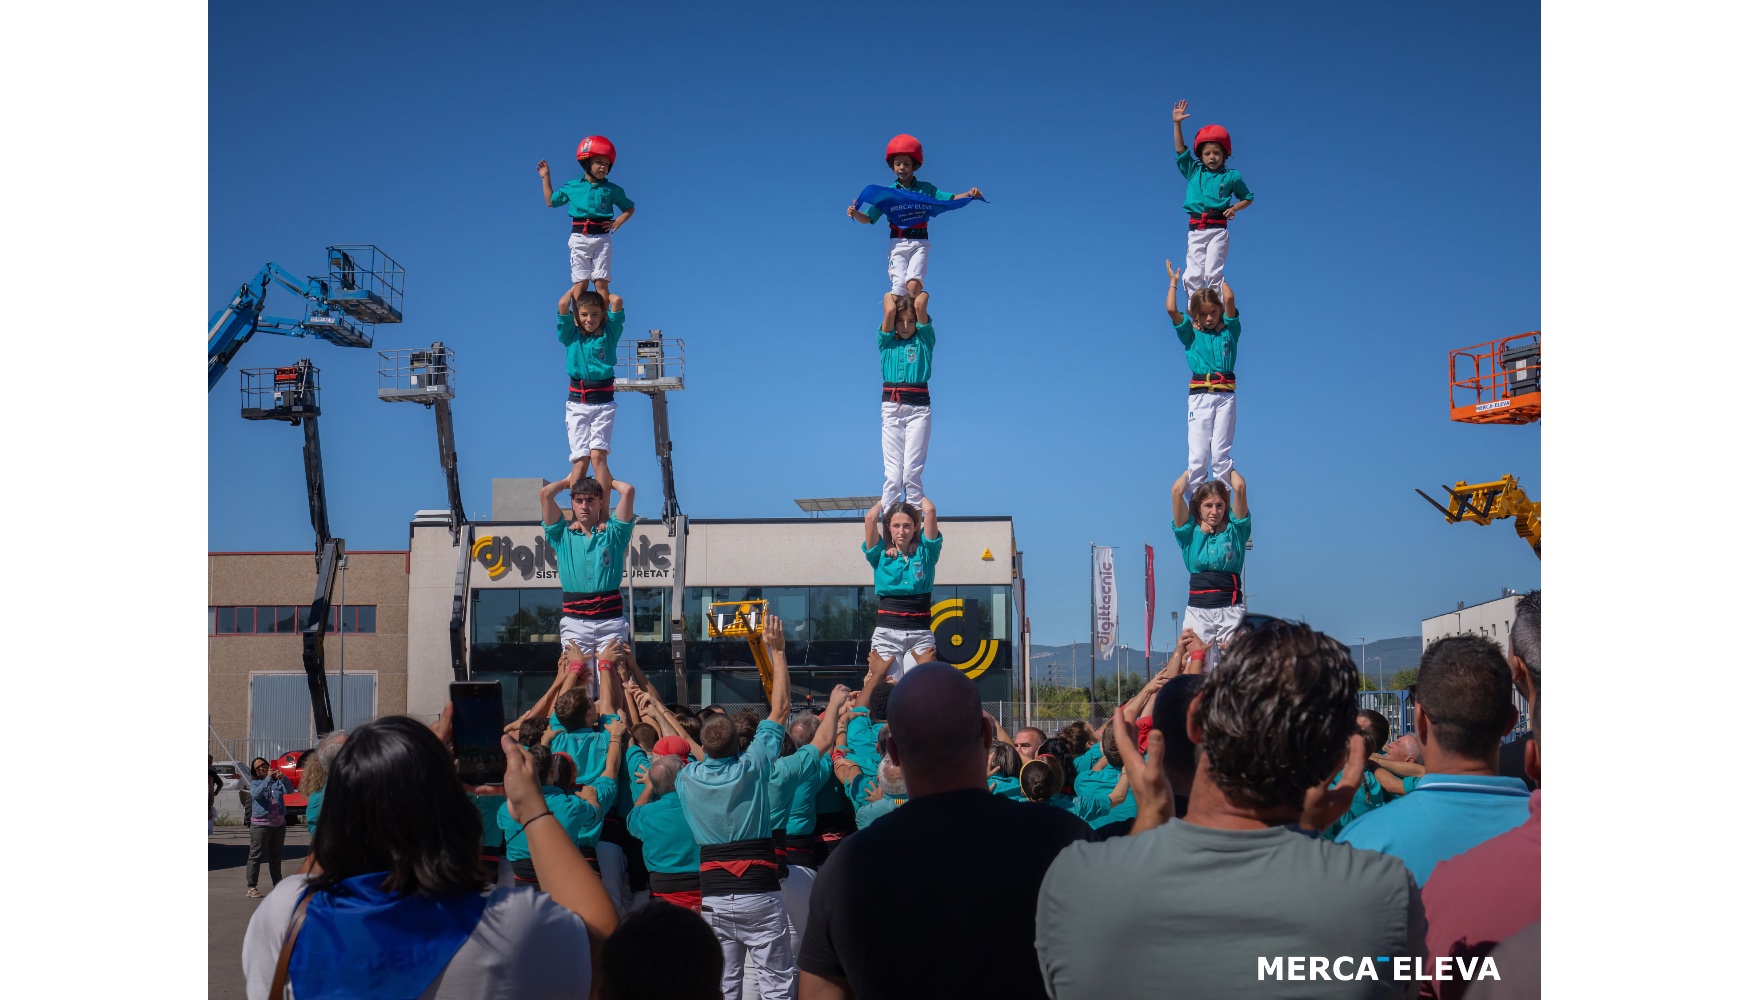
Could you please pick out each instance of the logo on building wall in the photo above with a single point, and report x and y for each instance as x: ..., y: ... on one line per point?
x: 499, y: 556
x: 649, y: 561
x: 955, y: 624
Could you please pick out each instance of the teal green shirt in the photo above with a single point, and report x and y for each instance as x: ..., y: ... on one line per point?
x: 587, y: 748
x: 312, y: 809
x: 574, y: 814
x: 795, y: 782
x: 592, y: 358
x: 668, y: 841
x: 1206, y: 191
x: 903, y: 574
x: 1099, y: 784
x: 1088, y: 807
x: 863, y: 739
x: 831, y: 797
x: 590, y: 562
x: 587, y: 198
x: 1008, y: 788
x: 906, y: 360
x: 1224, y: 551
x: 1368, y: 797
x: 487, y: 806
x: 725, y: 798
x: 917, y: 187
x: 869, y: 812
x: 1208, y: 352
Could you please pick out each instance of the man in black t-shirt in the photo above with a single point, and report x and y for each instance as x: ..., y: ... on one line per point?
x: 949, y: 884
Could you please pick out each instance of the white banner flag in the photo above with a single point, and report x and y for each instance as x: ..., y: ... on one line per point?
x: 1105, y: 604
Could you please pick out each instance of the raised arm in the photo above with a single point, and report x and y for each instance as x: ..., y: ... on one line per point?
x: 920, y: 307
x: 876, y: 675
x: 872, y: 526
x: 1181, y: 111
x: 564, y: 875
x: 1173, y: 312
x: 1240, y: 507
x: 1181, y: 512
x: 1002, y: 735
x: 1230, y: 307
x: 823, y: 734
x: 624, y: 511
x: 927, y: 507
x: 858, y: 216
x: 608, y: 697
x: 969, y: 193
x: 616, y: 750
x: 773, y: 637
x: 549, y: 506
x: 546, y: 185
x: 889, y: 313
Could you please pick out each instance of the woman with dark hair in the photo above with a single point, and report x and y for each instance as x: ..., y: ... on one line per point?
x: 1042, y: 780
x: 1004, y: 766
x: 902, y: 547
x: 1079, y: 735
x: 398, y: 907
x: 1213, y: 539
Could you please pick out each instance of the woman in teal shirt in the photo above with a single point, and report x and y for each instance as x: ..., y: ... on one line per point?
x: 1214, y: 546
x: 903, y: 557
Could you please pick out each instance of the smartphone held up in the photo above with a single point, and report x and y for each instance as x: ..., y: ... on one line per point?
x: 477, y: 714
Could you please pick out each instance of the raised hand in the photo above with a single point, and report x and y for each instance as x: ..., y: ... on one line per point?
x: 617, y: 728
x: 1181, y: 111
x: 1148, y: 781
x: 541, y: 168
x: 773, y: 634
x: 1172, y: 275
x: 521, y: 790
x: 1325, y: 805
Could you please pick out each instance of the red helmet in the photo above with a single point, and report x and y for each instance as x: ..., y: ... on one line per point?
x: 907, y: 144
x: 1215, y: 134
x: 598, y: 145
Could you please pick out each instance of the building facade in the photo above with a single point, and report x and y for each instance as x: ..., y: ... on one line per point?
x: 811, y: 572
x: 258, y: 699
x: 1491, y: 619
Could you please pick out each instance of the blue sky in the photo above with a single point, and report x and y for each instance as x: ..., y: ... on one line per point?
x: 1394, y: 151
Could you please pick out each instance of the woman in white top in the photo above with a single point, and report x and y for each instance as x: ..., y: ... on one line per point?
x: 397, y: 904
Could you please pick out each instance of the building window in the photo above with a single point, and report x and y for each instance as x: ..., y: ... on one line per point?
x: 284, y: 619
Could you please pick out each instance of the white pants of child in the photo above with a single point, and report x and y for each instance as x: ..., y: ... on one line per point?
x: 906, y: 260
x: 901, y: 644
x: 1205, y: 257
x: 615, y: 877
x: 1209, y: 435
x: 589, y: 426
x: 1214, y: 625
x: 905, y: 444
x: 753, y: 926
x: 592, y: 635
x: 590, y: 256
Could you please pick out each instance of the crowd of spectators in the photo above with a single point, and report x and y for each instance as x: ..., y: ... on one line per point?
x: 897, y: 842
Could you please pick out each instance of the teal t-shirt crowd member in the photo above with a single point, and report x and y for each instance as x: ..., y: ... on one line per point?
x: 591, y: 563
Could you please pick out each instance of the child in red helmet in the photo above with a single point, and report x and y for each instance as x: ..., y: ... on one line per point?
x: 908, y: 250
x: 591, y: 200
x: 1209, y: 191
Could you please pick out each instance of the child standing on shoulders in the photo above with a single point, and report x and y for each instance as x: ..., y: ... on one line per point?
x: 590, y: 329
x: 1212, y: 339
x: 908, y: 251
x: 1210, y: 188
x: 591, y: 200
x: 907, y: 343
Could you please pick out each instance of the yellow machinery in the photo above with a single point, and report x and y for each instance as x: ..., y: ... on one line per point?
x: 746, y: 620
x: 1482, y: 503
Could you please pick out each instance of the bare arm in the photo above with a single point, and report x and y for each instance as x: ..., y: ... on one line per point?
x: 1120, y: 791
x: 617, y: 223
x: 624, y: 511
x: 616, y: 749
x: 1173, y: 312
x: 927, y: 507
x: 1400, y: 768
x: 1392, y: 784
x: 872, y: 526
x: 564, y: 875
x: 1181, y: 512
x: 858, y: 216
x: 872, y: 680
x: 546, y: 184
x: 921, y: 307
x: 608, y: 697
x: 1230, y: 307
x: 823, y: 736
x: 773, y: 637
x: 889, y: 313
x: 969, y: 193
x: 550, y: 508
x: 1002, y: 735
x: 825, y: 987
x: 1181, y: 111
x: 1241, y: 509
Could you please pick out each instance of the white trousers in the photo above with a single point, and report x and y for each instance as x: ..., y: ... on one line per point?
x: 592, y: 635
x: 1209, y: 436
x: 905, y: 444
x: 589, y: 426
x: 906, y: 259
x: 895, y: 643
x: 591, y: 256
x: 1205, y: 257
x: 615, y: 877
x: 1214, y: 625
x: 753, y: 926
x: 797, y: 887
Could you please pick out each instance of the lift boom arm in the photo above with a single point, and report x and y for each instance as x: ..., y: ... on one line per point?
x: 1483, y: 503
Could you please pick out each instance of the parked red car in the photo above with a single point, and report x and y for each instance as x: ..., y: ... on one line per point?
x: 291, y: 764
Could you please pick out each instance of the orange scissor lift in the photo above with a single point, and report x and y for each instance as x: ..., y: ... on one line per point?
x: 1499, y: 382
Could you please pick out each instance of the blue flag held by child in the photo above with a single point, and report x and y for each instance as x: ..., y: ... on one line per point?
x: 903, y: 208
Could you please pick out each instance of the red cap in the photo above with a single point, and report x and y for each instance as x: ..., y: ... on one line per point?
x: 907, y: 144
x: 675, y: 745
x: 1215, y: 134
x: 598, y: 145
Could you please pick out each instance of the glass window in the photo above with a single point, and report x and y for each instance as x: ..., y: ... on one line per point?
x: 264, y: 620
x: 367, y: 618
x: 224, y: 621
x: 245, y: 620
x: 303, y: 619
x: 790, y: 604
x: 832, y: 614
x: 650, y: 614
x: 285, y: 619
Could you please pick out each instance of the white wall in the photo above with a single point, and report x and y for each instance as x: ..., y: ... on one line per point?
x: 1492, y: 620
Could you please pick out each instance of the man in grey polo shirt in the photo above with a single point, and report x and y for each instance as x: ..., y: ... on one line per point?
x: 1189, y: 908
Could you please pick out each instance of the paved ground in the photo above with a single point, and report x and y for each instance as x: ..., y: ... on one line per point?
x: 229, y: 910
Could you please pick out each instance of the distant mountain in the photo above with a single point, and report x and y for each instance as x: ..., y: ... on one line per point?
x: 1387, y: 655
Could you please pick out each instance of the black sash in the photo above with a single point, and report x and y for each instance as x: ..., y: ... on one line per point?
x: 910, y: 612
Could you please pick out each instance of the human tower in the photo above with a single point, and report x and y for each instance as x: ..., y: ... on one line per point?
x: 902, y: 539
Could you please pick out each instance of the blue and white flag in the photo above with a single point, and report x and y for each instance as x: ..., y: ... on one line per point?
x: 903, y: 208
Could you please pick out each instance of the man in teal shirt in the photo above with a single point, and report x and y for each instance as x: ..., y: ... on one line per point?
x: 1463, y: 710
x: 905, y: 573
x: 591, y: 553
